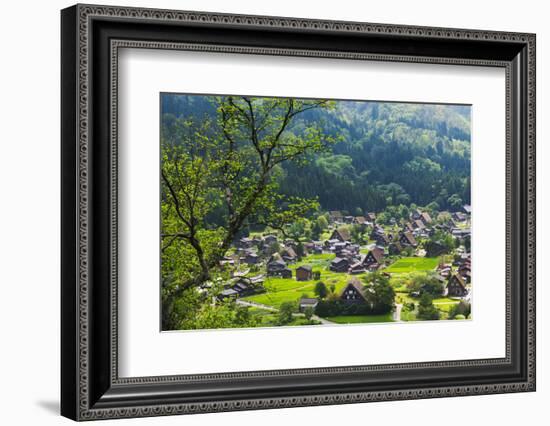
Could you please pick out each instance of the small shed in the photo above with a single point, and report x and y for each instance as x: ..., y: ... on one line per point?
x: 304, y: 273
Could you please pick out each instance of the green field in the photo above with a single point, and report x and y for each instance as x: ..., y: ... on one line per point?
x: 412, y: 264
x: 280, y: 290
x: 445, y: 308
x: 357, y: 319
x: 445, y: 300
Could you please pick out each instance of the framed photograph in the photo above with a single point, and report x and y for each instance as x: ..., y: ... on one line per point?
x: 263, y: 212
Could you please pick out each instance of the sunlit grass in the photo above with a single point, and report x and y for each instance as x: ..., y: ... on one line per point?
x: 413, y: 264
x: 357, y: 319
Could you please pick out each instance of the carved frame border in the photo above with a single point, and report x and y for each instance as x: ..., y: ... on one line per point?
x: 84, y: 15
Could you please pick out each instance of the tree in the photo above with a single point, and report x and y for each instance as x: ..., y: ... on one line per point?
x: 285, y: 313
x: 316, y: 230
x: 455, y: 202
x: 321, y: 290
x: 273, y: 248
x: 423, y: 282
x: 462, y: 308
x: 394, y: 194
x: 432, y: 208
x: 356, y: 232
x: 226, y: 168
x: 322, y: 222
x: 308, y: 313
x: 379, y: 294
x: 426, y: 308
x: 383, y: 218
x: 300, y: 251
x: 442, y: 238
x: 444, y: 218
x: 296, y: 230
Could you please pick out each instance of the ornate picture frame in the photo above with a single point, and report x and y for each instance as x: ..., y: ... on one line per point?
x: 90, y: 40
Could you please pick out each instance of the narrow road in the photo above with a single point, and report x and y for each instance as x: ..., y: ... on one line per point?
x: 397, y: 312
x: 256, y: 305
x: 321, y: 320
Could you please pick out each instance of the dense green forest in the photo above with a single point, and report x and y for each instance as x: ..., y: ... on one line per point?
x: 383, y: 154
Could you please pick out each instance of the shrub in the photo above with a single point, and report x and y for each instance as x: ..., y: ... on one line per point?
x: 462, y: 308
x: 285, y: 313
x: 426, y: 308
x: 321, y: 290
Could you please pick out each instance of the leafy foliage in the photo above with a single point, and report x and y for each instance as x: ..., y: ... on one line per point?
x: 426, y: 308
x: 219, y: 175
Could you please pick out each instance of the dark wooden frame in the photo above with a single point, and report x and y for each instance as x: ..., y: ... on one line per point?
x: 90, y: 386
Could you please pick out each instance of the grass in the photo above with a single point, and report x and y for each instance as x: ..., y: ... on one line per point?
x: 446, y: 300
x: 407, y: 315
x: 357, y: 319
x: 280, y: 290
x: 404, y: 297
x: 317, y: 261
x: 412, y: 264
x: 445, y: 307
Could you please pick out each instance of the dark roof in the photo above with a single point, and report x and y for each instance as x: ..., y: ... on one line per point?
x: 360, y: 219
x: 304, y: 267
x: 343, y: 233
x: 377, y: 253
x: 409, y: 237
x: 308, y: 301
x: 459, y: 279
x: 397, y: 245
x: 355, y: 283
x: 382, y: 237
x: 281, y: 263
x: 240, y: 286
x: 289, y: 251
x: 338, y: 260
x: 426, y: 217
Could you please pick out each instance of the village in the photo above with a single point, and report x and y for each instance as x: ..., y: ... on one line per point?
x: 422, y: 263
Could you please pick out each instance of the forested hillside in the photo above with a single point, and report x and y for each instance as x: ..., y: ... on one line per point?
x: 385, y: 153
